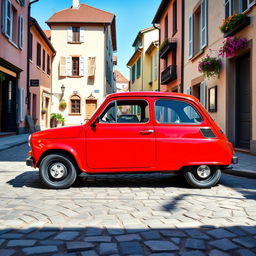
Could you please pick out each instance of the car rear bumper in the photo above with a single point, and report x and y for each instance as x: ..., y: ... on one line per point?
x: 30, y: 161
x: 234, y: 160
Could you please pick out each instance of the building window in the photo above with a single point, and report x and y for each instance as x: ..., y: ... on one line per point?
x: 138, y: 68
x: 75, y: 103
x: 237, y: 6
x: 43, y: 60
x: 133, y: 73
x: 21, y: 31
x: 198, y: 29
x: 31, y: 46
x: 48, y: 64
x: 174, y: 18
x: 7, y: 18
x: 75, y: 66
x: 166, y: 27
x: 38, y: 59
x: 76, y: 34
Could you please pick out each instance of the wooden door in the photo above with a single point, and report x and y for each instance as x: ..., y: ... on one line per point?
x: 91, y: 106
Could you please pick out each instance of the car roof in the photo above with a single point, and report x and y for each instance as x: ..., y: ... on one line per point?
x: 153, y: 94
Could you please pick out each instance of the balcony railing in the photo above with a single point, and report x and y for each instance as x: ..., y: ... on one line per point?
x: 167, y: 45
x: 169, y: 74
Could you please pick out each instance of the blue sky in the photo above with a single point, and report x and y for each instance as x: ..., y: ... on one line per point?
x: 131, y: 16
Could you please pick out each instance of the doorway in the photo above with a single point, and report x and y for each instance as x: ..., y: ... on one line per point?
x: 243, y: 102
x: 91, y: 106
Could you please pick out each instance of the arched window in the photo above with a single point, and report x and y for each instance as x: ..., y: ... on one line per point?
x: 75, y: 103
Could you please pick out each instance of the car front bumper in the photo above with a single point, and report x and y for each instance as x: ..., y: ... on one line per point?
x: 30, y: 161
x: 234, y: 160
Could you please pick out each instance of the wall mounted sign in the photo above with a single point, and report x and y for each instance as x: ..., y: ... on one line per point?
x: 34, y: 83
x: 213, y: 99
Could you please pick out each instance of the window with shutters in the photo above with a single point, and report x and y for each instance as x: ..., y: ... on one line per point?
x: 166, y: 27
x: 31, y: 46
x: 48, y: 64
x: 21, y: 31
x: 237, y: 6
x: 138, y: 68
x: 43, y: 60
x: 39, y: 54
x: 76, y: 34
x: 62, y: 67
x: 75, y: 66
x: 75, y: 104
x: 133, y: 72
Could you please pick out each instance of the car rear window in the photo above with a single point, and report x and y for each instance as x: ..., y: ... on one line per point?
x: 176, y: 112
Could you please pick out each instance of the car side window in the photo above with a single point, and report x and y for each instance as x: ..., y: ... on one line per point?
x: 176, y: 112
x: 126, y: 111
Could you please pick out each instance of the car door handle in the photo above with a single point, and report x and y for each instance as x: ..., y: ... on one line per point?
x: 145, y: 132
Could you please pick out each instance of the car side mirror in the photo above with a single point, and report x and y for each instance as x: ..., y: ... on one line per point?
x: 95, y: 122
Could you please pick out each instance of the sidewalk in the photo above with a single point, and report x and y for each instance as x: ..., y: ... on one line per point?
x: 246, y: 166
x: 13, y: 141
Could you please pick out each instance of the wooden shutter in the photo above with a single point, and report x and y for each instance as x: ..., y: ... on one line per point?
x: 191, y: 37
x: 203, y: 93
x: 22, y: 104
x: 91, y: 66
x: 81, y: 66
x: 82, y: 34
x: 69, y: 35
x: 63, y: 71
x: 69, y: 66
x: 9, y: 19
x: 21, y: 31
x: 203, y: 24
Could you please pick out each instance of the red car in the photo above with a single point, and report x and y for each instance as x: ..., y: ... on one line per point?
x: 136, y: 132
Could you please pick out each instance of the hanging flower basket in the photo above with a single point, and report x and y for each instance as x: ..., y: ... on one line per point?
x: 43, y: 111
x: 231, y: 45
x: 62, y: 105
x: 210, y: 66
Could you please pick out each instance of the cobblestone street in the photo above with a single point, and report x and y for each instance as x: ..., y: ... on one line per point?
x: 152, y: 214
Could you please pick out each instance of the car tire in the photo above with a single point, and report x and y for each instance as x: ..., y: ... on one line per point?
x: 57, y: 171
x: 195, y: 177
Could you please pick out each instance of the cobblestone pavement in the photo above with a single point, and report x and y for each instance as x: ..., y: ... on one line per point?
x: 152, y: 214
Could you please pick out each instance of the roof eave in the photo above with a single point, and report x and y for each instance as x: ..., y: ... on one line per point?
x: 164, y: 4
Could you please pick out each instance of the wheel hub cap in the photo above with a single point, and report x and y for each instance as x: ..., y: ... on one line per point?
x: 57, y: 170
x: 203, y: 171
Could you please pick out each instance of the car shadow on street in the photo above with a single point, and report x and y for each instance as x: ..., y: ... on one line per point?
x: 80, y: 241
x: 31, y: 179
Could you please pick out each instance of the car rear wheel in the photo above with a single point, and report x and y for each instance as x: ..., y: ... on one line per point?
x: 57, y: 171
x: 202, y: 176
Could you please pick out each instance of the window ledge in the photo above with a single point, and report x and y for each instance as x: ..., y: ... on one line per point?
x: 15, y: 45
x: 73, y: 114
x: 38, y: 67
x: 75, y: 76
x: 75, y: 42
x: 197, y: 55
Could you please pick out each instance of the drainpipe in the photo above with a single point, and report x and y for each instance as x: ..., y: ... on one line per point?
x: 157, y: 26
x: 182, y: 45
x: 28, y: 63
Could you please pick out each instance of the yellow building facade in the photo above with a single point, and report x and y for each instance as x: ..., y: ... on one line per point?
x: 144, y: 62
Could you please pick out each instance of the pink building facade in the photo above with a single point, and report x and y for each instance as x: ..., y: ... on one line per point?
x: 41, y: 55
x: 13, y: 65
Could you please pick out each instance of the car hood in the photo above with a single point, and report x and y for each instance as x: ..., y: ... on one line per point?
x: 59, y: 133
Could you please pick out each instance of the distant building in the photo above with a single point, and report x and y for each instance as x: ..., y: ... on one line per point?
x: 13, y: 65
x: 84, y: 38
x: 122, y: 84
x: 40, y: 55
x: 144, y: 62
x: 170, y: 18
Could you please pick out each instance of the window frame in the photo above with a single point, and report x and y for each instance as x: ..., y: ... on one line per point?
x: 77, y: 67
x: 115, y: 100
x: 138, y: 68
x: 38, y: 54
x: 175, y: 124
x: 70, y: 102
x: 174, y: 18
x: 31, y: 46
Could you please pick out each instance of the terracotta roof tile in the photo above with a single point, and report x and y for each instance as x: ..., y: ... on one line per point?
x: 48, y: 33
x: 120, y: 78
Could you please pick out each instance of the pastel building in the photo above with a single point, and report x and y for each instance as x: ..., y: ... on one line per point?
x: 82, y: 73
x: 229, y: 96
x: 41, y: 54
x: 122, y: 84
x: 169, y: 18
x: 144, y: 62
x: 13, y: 65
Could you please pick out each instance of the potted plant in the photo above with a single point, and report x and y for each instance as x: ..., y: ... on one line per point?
x: 209, y: 66
x: 62, y: 105
x: 234, y: 23
x: 57, y: 120
x: 43, y: 111
x: 231, y: 45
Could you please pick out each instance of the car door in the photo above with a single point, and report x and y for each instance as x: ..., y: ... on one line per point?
x: 124, y: 137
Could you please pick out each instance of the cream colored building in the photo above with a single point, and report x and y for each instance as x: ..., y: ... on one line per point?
x: 234, y: 109
x: 144, y: 62
x: 82, y: 74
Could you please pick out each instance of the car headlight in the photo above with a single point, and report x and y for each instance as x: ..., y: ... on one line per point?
x: 29, y: 138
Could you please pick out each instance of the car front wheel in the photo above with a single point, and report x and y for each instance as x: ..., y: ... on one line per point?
x: 202, y: 176
x: 57, y: 171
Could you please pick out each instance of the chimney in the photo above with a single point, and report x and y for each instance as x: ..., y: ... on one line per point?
x: 76, y: 4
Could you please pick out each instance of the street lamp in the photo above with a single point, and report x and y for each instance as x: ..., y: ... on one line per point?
x: 63, y: 89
